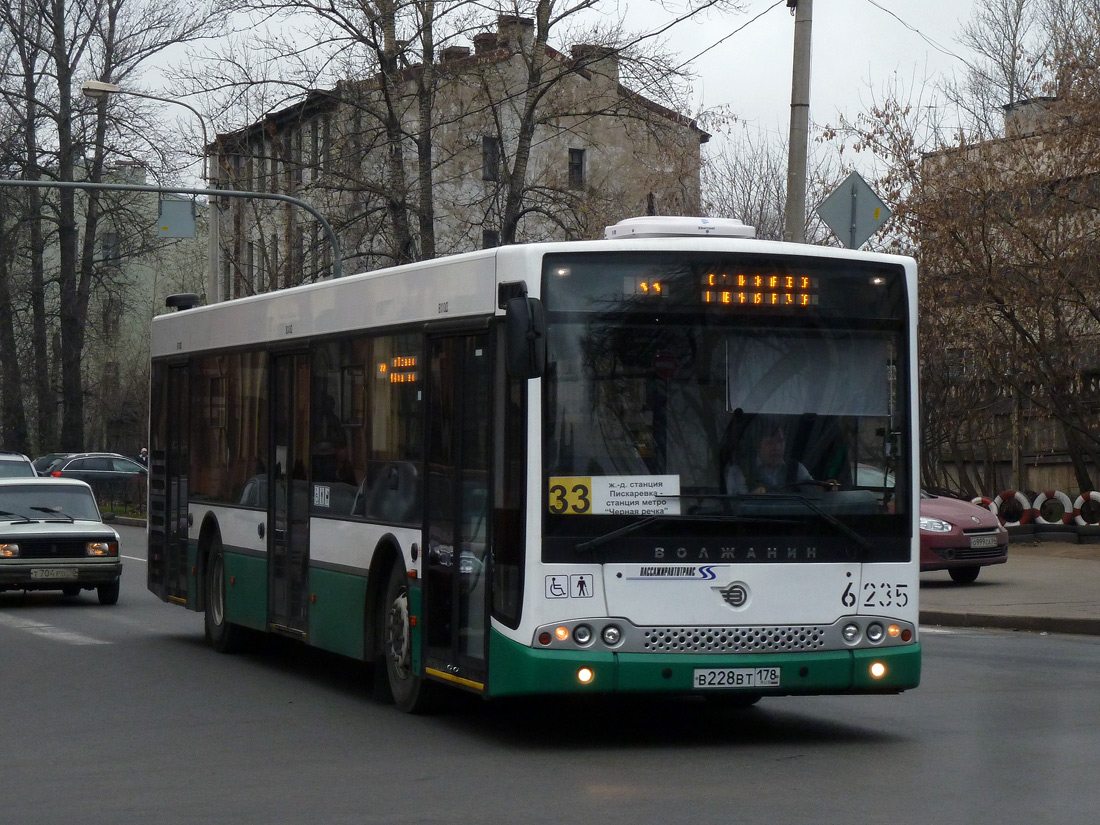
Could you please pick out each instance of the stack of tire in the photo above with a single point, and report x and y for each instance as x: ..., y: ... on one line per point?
x: 1050, y: 515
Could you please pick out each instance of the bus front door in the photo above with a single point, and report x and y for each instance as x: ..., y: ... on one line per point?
x: 457, y: 497
x: 288, y: 496
x: 169, y: 458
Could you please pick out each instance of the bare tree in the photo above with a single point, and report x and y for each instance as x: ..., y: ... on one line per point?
x: 57, y: 44
x: 1005, y: 220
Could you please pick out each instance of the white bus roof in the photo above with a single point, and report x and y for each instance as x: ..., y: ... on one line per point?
x: 437, y: 290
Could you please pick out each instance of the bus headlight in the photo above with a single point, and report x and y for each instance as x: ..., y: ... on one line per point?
x: 611, y: 635
x: 582, y: 634
x: 851, y: 633
x: 875, y: 633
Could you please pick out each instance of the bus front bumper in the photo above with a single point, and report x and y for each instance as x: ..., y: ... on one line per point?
x: 519, y: 670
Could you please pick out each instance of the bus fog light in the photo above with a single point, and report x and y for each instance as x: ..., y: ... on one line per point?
x: 875, y: 633
x: 585, y: 675
x: 878, y: 670
x: 582, y: 634
x: 611, y: 635
x: 851, y: 632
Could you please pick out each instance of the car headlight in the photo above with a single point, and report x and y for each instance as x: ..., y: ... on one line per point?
x: 9, y: 551
x: 102, y: 548
x: 934, y: 525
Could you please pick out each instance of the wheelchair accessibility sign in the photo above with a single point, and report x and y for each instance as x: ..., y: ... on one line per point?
x: 578, y: 586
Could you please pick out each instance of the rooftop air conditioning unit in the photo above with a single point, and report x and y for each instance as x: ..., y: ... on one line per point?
x: 663, y: 226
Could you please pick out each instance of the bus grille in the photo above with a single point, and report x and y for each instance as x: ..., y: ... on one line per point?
x: 733, y: 639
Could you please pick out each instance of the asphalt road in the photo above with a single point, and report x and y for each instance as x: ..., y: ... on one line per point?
x: 122, y: 715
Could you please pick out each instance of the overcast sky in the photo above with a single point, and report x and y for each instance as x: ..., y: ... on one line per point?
x: 856, y: 44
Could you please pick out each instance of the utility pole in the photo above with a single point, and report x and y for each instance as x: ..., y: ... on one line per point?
x: 795, y: 223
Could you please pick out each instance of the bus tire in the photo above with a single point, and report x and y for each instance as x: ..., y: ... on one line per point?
x: 411, y: 693
x: 731, y: 700
x: 223, y: 636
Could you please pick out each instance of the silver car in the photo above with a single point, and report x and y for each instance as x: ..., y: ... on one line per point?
x: 52, y: 537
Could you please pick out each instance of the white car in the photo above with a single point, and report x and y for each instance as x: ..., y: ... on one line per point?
x: 52, y: 537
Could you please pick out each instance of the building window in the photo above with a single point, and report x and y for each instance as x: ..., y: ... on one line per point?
x: 250, y: 268
x: 112, y: 316
x: 490, y: 158
x: 110, y: 250
x: 490, y: 238
x: 576, y: 168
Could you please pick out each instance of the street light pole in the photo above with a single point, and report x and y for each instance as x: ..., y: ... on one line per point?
x: 795, y: 216
x: 337, y: 252
x: 98, y: 90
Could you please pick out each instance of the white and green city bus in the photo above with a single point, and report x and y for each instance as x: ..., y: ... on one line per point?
x: 534, y: 469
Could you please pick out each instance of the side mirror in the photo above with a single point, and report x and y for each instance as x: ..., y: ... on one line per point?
x: 525, y: 337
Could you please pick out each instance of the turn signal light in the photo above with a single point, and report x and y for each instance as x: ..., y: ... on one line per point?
x: 561, y: 633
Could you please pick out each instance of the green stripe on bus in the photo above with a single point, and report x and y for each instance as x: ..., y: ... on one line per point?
x: 337, y: 603
x: 516, y: 669
x: 246, y: 590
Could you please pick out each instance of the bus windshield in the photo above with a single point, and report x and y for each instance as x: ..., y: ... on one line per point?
x: 778, y: 417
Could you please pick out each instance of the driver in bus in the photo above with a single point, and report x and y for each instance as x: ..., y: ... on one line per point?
x: 768, y: 468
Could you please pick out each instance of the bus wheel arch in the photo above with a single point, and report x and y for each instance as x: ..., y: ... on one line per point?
x: 223, y: 635
x: 386, y: 556
x: 395, y: 677
x: 207, y: 533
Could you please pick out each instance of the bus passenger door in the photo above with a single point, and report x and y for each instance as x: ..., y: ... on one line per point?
x: 288, y: 495
x: 169, y: 460
x: 458, y: 499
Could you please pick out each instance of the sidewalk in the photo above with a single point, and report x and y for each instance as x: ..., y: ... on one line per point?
x: 1044, y: 586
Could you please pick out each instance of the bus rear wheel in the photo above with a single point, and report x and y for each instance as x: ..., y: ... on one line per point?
x: 222, y: 635
x: 410, y: 692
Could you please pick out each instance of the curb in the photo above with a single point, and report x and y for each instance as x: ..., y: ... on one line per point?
x: 125, y: 521
x: 1000, y: 621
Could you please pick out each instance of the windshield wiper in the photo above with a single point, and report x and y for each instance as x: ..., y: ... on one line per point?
x: 54, y: 511
x: 727, y: 498
x: 828, y: 517
x: 592, y: 544
x: 15, y: 516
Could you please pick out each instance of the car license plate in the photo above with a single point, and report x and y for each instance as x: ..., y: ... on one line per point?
x: 983, y: 541
x: 719, y: 678
x: 61, y: 573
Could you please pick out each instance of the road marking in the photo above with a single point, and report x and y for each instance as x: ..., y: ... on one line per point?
x: 49, y: 631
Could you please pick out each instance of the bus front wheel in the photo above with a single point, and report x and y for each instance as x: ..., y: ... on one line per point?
x: 410, y: 692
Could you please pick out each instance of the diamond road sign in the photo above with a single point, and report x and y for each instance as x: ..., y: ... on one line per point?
x: 853, y: 211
